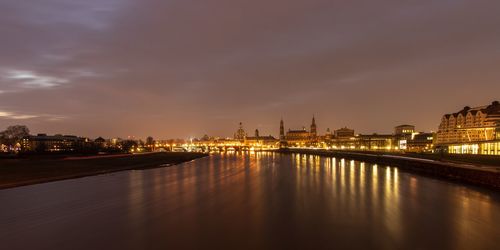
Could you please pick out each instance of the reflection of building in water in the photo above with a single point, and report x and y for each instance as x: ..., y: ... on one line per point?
x: 471, y: 131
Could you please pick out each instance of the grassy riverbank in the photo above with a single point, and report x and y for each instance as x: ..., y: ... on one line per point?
x: 19, y: 172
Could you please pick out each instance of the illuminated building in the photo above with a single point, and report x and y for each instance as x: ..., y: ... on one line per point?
x: 240, y: 142
x: 343, y: 133
x: 404, y: 130
x: 298, y: 137
x: 375, y: 142
x: 420, y: 142
x: 302, y: 137
x: 54, y: 143
x: 258, y: 140
x: 471, y: 131
x: 344, y: 138
x: 328, y: 136
x: 240, y: 133
x: 402, y: 135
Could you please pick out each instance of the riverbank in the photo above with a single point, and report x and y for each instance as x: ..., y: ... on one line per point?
x: 20, y: 172
x: 477, y: 174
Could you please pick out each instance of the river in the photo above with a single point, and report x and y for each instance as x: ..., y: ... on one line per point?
x: 252, y: 201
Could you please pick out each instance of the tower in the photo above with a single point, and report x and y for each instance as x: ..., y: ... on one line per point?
x: 314, y: 131
x: 240, y: 134
x: 257, y: 133
x: 282, y: 130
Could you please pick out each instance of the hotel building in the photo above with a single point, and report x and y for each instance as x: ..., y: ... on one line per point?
x: 471, y: 131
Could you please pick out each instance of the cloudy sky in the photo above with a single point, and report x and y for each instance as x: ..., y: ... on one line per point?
x: 182, y: 68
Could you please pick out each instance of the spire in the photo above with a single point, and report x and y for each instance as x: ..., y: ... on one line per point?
x: 314, y: 132
x: 282, y: 129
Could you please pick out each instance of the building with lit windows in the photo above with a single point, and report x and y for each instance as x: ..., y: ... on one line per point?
x: 258, y: 140
x: 404, y: 138
x: 405, y: 135
x: 301, y: 137
x: 420, y: 142
x: 240, y: 133
x: 343, y: 133
x: 404, y: 130
x: 375, y: 142
x: 328, y: 136
x: 471, y: 131
x: 54, y: 143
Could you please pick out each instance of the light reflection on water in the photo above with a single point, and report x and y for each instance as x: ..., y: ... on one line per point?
x: 254, y: 200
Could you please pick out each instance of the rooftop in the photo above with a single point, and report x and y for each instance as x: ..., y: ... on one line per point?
x: 492, y: 109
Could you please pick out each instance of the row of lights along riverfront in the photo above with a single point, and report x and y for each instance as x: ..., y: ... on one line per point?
x: 467, y: 131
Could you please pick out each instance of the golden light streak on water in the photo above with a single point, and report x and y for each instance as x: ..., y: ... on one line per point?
x: 362, y: 180
x: 342, y: 176
x: 352, y: 174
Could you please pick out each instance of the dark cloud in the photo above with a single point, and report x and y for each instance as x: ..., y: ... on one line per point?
x: 185, y: 68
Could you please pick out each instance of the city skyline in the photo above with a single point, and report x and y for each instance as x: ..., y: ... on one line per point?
x: 249, y: 130
x: 182, y: 69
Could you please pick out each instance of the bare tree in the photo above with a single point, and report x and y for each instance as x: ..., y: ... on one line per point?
x: 14, y: 134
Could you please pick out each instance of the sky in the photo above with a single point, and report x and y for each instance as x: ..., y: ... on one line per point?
x: 185, y: 68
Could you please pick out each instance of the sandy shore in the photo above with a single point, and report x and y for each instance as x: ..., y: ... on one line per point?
x: 20, y: 172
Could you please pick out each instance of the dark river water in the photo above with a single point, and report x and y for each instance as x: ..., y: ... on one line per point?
x: 252, y: 201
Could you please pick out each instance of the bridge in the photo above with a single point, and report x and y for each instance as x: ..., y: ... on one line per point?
x: 217, y: 146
